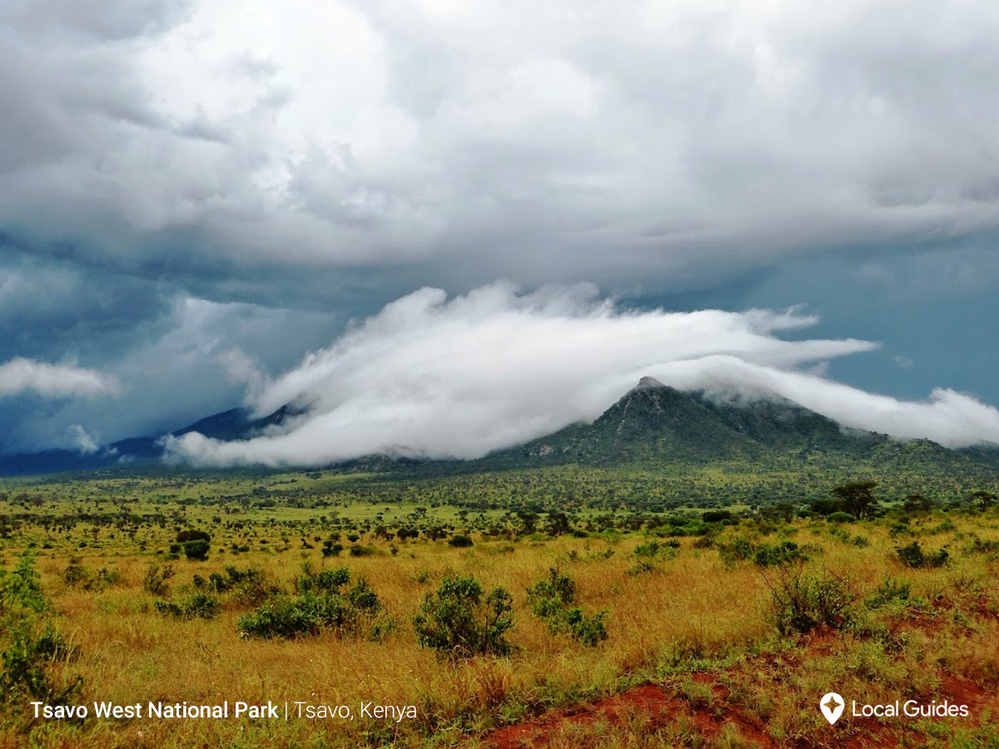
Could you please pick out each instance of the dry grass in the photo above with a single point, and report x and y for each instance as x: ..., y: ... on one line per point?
x: 689, y: 614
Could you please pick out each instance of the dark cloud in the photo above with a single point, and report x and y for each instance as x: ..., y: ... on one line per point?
x: 304, y: 163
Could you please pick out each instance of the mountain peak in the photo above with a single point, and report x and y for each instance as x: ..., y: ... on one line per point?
x: 649, y: 383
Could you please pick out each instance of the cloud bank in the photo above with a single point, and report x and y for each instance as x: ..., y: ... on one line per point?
x: 306, y: 138
x: 436, y: 377
x: 53, y: 380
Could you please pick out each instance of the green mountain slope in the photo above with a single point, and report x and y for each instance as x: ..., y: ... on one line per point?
x: 656, y: 427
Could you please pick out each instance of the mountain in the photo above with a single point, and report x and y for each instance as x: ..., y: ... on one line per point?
x: 652, y: 427
x: 234, y: 424
x: 656, y: 426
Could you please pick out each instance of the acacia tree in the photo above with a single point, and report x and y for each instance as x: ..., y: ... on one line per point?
x: 983, y: 499
x: 857, y: 497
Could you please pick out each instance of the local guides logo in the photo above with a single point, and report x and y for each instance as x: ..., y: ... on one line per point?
x: 832, y: 706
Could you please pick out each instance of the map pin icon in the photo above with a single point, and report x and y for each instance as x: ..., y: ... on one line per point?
x: 832, y: 706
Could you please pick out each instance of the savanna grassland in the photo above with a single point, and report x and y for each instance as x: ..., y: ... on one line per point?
x: 560, y: 608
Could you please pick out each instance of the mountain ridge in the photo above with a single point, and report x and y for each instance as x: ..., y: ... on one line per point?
x: 651, y: 426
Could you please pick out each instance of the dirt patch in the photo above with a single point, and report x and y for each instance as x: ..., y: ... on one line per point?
x: 660, y: 705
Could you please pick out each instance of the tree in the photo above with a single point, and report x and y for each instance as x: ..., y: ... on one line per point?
x: 983, y: 499
x: 558, y: 524
x: 858, y: 497
x: 196, y: 550
x: 918, y: 502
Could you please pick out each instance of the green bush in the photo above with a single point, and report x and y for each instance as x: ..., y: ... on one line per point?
x: 716, y: 516
x: 914, y: 556
x: 327, y: 581
x: 552, y: 600
x: 196, y: 550
x: 785, y: 552
x: 189, y: 534
x: 28, y: 649
x: 196, y: 606
x: 892, y: 592
x: 655, y: 549
x: 249, y: 587
x: 322, y: 605
x: 331, y: 548
x: 459, y: 621
x: 460, y: 542
x: 840, y: 517
x: 736, y: 549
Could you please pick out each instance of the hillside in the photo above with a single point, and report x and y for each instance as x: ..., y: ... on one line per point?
x: 656, y: 426
x: 653, y: 427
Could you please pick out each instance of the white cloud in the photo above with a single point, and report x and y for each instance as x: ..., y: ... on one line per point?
x: 53, y: 380
x: 434, y: 377
x: 82, y: 440
x: 428, y: 376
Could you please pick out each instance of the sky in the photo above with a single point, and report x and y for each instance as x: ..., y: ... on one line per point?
x: 402, y: 212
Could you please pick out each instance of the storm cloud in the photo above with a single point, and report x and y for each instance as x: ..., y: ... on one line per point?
x: 304, y: 163
x: 492, y: 138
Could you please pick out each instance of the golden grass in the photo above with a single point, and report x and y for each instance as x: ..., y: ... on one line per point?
x: 692, y: 610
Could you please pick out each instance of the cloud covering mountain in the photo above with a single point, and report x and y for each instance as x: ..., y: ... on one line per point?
x: 435, y: 377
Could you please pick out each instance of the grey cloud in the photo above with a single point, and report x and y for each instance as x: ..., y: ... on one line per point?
x: 495, y: 138
x: 297, y: 164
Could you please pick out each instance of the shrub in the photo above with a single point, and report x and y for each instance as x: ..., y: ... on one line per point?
x: 196, y: 550
x: 551, y: 599
x: 840, y: 517
x: 801, y: 601
x: 321, y: 605
x: 250, y: 587
x: 785, y: 552
x: 460, y: 621
x: 891, y: 591
x: 460, y: 542
x: 331, y: 549
x: 155, y: 579
x: 914, y: 556
x: 362, y: 551
x: 28, y: 649
x: 737, y: 549
x: 196, y: 606
x: 189, y: 534
x: 547, y: 597
x: 716, y: 516
x: 327, y: 581
x: 654, y: 549
x: 979, y: 546
x: 76, y: 574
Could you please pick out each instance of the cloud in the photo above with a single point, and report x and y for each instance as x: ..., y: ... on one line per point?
x: 83, y: 441
x: 53, y: 380
x: 434, y: 377
x: 209, y: 140
x: 304, y: 163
